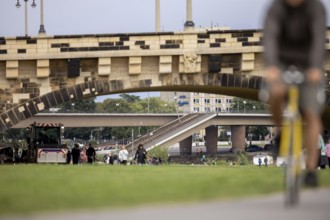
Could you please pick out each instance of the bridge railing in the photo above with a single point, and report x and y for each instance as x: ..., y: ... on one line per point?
x: 145, y: 139
x: 166, y: 131
x: 160, y: 131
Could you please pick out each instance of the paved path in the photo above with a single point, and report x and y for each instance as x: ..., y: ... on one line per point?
x: 315, y: 205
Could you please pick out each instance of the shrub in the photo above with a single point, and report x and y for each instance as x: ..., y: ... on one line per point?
x: 159, y: 152
x: 242, y: 159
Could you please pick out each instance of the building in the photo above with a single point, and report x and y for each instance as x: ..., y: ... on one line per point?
x: 189, y: 102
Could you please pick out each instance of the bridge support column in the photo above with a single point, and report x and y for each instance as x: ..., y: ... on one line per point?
x: 238, y: 137
x: 185, y: 146
x: 211, y: 140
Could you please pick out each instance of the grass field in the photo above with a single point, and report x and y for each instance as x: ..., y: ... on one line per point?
x: 39, y: 188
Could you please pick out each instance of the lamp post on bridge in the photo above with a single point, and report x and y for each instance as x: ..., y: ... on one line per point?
x: 33, y: 5
x: 72, y: 107
x: 244, y: 102
x: 42, y: 25
x: 117, y: 104
x: 189, y: 22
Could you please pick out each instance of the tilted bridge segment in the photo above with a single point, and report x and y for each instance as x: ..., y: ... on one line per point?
x: 173, y: 128
x: 37, y: 73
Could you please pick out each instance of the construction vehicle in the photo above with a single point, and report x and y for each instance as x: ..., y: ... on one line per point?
x: 44, y: 143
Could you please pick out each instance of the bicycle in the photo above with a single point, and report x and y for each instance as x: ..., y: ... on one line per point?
x: 291, y: 138
x: 291, y: 135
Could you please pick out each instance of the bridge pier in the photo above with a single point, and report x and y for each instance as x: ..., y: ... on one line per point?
x: 238, y: 137
x: 211, y: 139
x: 185, y: 146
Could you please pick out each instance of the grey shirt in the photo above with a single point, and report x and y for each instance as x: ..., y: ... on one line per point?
x: 295, y: 35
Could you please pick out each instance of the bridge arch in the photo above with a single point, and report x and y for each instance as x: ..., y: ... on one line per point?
x: 224, y: 84
x: 40, y: 72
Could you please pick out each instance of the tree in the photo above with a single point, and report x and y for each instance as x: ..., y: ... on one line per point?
x: 130, y: 98
x: 80, y: 106
x: 114, y: 106
x: 15, y: 134
x: 257, y: 132
x: 132, y: 104
x: 248, y: 106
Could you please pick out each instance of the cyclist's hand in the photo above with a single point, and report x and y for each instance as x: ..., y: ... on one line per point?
x: 314, y: 76
x: 273, y: 74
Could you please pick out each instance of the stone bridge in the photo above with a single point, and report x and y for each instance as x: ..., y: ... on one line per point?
x: 37, y: 73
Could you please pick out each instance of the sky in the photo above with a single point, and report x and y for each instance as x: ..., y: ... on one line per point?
x: 62, y: 17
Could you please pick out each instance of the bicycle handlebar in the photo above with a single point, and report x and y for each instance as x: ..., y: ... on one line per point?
x: 293, y: 76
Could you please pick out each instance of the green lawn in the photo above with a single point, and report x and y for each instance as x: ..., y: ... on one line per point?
x: 35, y: 188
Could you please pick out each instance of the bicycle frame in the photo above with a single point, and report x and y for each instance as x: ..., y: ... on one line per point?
x: 291, y: 145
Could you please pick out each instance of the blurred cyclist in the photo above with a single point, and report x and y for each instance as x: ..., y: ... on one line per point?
x: 294, y: 35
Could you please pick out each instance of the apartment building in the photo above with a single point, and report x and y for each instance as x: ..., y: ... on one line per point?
x: 189, y: 102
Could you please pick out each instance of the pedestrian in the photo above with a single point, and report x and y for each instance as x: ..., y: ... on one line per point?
x: 110, y: 159
x: 75, y: 154
x: 90, y: 154
x: 259, y: 162
x: 266, y: 161
x: 105, y: 158
x: 83, y: 156
x: 323, y: 157
x: 68, y: 153
x: 328, y: 152
x: 141, y: 155
x: 116, y: 159
x: 294, y: 36
x: 203, y: 159
x: 123, y: 154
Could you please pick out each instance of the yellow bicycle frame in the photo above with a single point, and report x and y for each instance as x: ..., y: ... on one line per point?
x: 292, y: 126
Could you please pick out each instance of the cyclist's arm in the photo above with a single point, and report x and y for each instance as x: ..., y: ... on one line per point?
x: 317, y: 53
x: 271, y: 33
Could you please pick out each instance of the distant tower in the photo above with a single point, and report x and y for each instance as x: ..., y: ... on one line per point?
x: 189, y: 23
x: 157, y: 15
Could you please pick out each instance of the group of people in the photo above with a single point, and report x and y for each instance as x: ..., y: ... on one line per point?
x: 140, y: 155
x: 122, y: 158
x: 81, y: 156
x: 324, y: 159
x: 88, y: 155
x: 265, y: 161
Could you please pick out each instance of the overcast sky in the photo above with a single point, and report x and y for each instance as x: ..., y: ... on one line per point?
x: 126, y: 16
x: 122, y: 16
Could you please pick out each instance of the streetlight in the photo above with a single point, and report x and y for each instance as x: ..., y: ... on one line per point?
x: 96, y: 129
x: 42, y: 26
x: 238, y: 104
x: 117, y: 104
x: 176, y: 108
x: 148, y: 103
x: 244, y: 102
x: 72, y: 107
x: 33, y: 5
x: 254, y: 109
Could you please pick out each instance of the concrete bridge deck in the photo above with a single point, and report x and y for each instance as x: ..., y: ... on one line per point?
x: 136, y: 120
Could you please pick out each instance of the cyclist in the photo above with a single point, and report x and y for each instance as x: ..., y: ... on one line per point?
x: 294, y: 34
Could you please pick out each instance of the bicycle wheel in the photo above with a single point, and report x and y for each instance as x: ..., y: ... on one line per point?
x: 292, y: 182
x: 294, y: 163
